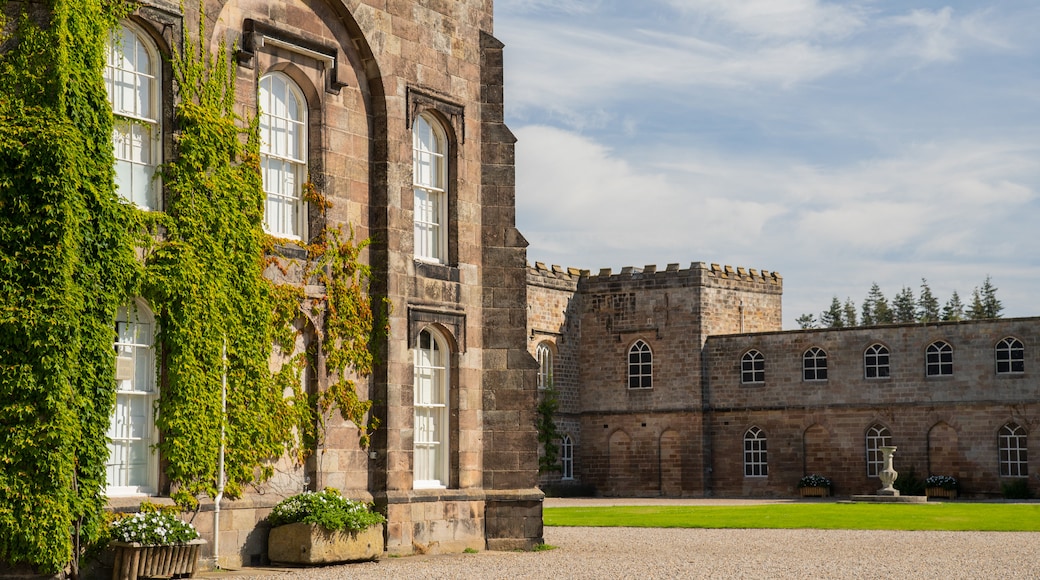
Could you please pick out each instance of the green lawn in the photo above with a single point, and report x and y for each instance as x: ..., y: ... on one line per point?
x: 824, y: 516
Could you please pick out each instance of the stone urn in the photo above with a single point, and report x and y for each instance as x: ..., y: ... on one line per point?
x: 888, y: 475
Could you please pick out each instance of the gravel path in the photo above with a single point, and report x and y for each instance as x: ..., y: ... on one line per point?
x: 604, y: 553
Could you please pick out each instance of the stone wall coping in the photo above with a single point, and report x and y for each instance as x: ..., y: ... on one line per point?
x: 431, y: 495
x: 725, y: 272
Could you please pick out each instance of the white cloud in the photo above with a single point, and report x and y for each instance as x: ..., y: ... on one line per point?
x: 785, y: 19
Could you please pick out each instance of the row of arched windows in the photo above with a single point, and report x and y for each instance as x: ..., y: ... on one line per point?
x: 133, y: 77
x: 1012, y: 456
x: 1009, y: 358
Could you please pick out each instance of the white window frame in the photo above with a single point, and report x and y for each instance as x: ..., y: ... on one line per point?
x: 814, y: 365
x: 132, y: 422
x: 939, y: 359
x: 566, y: 458
x: 640, y: 366
x: 133, y: 80
x: 877, y: 436
x: 756, y: 459
x: 430, y: 189
x: 1013, y: 448
x: 1010, y: 356
x: 752, y: 368
x: 877, y: 359
x: 544, y: 355
x: 431, y: 410
x: 283, y: 155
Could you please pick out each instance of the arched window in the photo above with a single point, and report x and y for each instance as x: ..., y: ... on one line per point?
x: 640, y: 366
x: 752, y: 367
x: 429, y: 184
x: 875, y: 362
x: 814, y: 365
x: 1014, y: 461
x: 133, y: 79
x: 283, y: 154
x: 1011, y: 356
x: 755, y: 464
x: 132, y: 466
x: 567, y: 458
x: 431, y: 410
x: 878, y: 436
x: 939, y: 359
x: 544, y: 354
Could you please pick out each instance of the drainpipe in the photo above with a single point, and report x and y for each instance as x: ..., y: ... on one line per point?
x: 220, y: 460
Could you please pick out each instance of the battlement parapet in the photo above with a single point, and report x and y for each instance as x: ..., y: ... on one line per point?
x: 554, y: 276
x: 696, y: 273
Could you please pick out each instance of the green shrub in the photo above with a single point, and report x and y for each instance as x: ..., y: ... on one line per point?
x: 909, y: 483
x: 1016, y: 489
x: 326, y: 508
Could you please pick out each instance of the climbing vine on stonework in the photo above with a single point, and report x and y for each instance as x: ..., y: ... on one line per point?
x: 66, y: 264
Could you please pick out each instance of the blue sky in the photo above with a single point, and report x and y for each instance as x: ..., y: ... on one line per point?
x: 836, y: 143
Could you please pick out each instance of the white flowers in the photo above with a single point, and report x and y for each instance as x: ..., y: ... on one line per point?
x: 153, y: 527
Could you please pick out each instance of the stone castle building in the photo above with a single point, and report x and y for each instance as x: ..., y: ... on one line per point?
x: 680, y: 382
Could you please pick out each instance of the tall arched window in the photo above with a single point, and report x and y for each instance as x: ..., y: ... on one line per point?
x: 814, y: 365
x: 1014, y: 461
x: 567, y: 458
x: 876, y: 362
x: 431, y: 410
x: 752, y: 367
x: 544, y: 354
x: 1011, y: 356
x: 131, y: 467
x: 283, y: 154
x: 133, y: 79
x: 430, y: 187
x: 640, y: 366
x: 939, y: 359
x: 877, y: 437
x: 755, y: 460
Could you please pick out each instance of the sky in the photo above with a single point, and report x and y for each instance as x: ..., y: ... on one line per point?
x: 839, y: 144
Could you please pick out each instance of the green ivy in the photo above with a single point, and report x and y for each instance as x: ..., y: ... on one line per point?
x: 548, y: 434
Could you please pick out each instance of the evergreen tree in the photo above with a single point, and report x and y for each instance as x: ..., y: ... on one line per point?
x: 806, y: 321
x: 905, y: 307
x: 873, y: 305
x: 954, y: 309
x: 977, y: 310
x: 990, y: 305
x: 833, y: 317
x: 927, y: 304
x: 850, y: 312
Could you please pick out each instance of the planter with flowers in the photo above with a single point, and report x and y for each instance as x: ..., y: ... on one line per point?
x: 154, y: 542
x: 814, y: 486
x: 324, y: 528
x: 944, y: 486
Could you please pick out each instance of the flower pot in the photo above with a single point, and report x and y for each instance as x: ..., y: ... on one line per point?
x: 133, y: 560
x: 814, y: 491
x: 940, y: 492
x: 312, y: 544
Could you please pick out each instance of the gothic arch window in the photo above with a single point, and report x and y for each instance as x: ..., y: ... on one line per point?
x: 544, y: 355
x: 876, y: 362
x: 939, y: 359
x: 133, y: 78
x: 755, y: 463
x: 132, y: 468
x: 430, y: 188
x: 283, y: 154
x: 640, y: 366
x: 1014, y: 461
x: 814, y: 365
x: 567, y: 458
x: 752, y: 367
x: 431, y: 404
x: 878, y: 436
x: 1010, y: 356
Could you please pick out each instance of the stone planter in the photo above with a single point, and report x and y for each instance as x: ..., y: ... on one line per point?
x: 814, y: 491
x: 940, y: 492
x: 313, y: 544
x: 133, y: 560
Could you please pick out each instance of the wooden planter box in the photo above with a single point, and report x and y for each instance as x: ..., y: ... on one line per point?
x: 313, y: 544
x: 135, y: 560
x: 940, y: 492
x: 814, y: 491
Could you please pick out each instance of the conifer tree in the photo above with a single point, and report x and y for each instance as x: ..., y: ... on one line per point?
x: 977, y: 310
x: 991, y: 306
x: 875, y: 307
x: 806, y: 321
x: 833, y: 316
x: 927, y: 304
x: 954, y: 309
x: 850, y: 312
x: 904, y: 306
